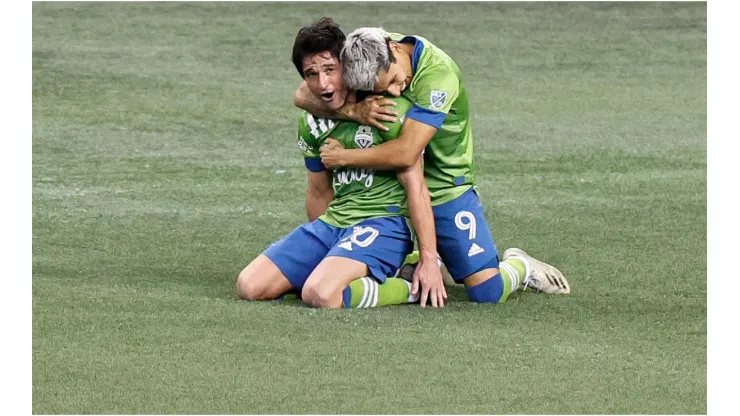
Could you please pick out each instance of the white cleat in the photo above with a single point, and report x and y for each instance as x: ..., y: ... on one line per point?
x: 540, y: 275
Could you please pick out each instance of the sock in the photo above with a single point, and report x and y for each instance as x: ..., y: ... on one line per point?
x: 513, y: 272
x: 490, y: 291
x: 412, y: 258
x: 368, y: 293
x: 498, y: 288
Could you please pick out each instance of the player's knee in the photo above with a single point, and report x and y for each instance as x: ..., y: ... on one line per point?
x: 248, y: 287
x: 489, y: 291
x: 319, y: 295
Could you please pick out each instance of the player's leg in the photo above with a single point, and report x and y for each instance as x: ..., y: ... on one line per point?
x: 262, y: 280
x: 324, y: 286
x: 286, y: 264
x: 467, y: 249
x: 354, y: 272
x: 542, y: 277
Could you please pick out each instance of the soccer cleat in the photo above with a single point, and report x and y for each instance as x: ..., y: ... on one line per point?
x: 540, y: 275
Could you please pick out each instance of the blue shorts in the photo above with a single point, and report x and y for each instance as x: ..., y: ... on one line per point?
x: 381, y: 243
x: 464, y: 241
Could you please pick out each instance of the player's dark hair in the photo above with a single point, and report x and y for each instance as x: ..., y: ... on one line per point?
x: 324, y: 35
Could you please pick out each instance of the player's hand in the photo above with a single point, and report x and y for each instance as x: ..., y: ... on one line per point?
x: 428, y: 279
x: 375, y: 109
x: 331, y: 153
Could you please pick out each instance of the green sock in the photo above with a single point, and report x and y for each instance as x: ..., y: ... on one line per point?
x: 512, y: 273
x: 412, y: 258
x: 368, y: 293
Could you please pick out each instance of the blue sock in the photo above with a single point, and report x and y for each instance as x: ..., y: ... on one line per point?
x: 347, y: 297
x: 489, y: 291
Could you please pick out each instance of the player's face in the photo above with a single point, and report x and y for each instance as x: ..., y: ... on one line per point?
x: 323, y: 75
x: 397, y: 78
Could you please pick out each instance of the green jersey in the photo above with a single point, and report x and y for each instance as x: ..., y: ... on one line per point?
x: 440, y: 100
x: 359, y: 193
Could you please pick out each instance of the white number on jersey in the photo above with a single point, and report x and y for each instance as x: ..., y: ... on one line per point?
x: 468, y: 225
x: 319, y: 126
x: 362, y: 236
x: 368, y: 235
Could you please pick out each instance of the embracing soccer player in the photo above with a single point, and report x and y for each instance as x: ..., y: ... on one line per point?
x: 438, y: 122
x: 358, y: 233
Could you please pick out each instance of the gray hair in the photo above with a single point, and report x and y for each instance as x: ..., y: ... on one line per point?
x: 365, y: 54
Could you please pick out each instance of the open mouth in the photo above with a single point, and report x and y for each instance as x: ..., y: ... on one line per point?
x: 328, y: 96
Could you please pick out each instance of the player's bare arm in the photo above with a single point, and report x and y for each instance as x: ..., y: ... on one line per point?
x: 372, y: 111
x: 427, y: 276
x: 395, y: 154
x: 318, y: 193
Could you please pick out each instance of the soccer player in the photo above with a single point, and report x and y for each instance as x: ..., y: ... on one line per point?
x: 438, y: 123
x: 358, y: 232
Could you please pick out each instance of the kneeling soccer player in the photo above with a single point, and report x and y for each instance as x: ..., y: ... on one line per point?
x: 439, y: 123
x: 358, y: 232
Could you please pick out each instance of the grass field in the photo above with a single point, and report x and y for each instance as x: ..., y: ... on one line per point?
x: 164, y: 160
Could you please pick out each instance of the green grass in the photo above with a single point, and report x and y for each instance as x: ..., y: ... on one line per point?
x: 164, y: 160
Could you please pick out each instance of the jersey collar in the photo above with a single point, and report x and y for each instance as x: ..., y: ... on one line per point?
x: 418, y: 49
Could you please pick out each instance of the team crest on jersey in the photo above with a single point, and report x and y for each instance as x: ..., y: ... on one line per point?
x: 364, y: 137
x: 438, y: 99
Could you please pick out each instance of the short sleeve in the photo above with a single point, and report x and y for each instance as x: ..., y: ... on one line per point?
x: 309, y: 146
x: 434, y: 90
